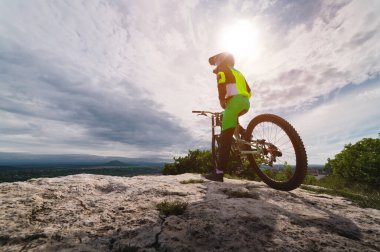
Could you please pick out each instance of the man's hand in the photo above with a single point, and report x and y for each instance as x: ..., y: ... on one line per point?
x: 223, y: 103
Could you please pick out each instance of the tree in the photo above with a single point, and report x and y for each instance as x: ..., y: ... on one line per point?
x: 359, y: 162
x: 198, y: 161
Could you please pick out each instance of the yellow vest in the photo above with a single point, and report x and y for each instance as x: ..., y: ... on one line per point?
x: 234, y: 88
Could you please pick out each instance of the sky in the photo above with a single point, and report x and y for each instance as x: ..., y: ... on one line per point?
x: 120, y: 78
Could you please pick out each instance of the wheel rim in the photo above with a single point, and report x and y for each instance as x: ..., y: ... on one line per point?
x: 278, y: 160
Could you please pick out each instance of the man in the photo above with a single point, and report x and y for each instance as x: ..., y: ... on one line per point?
x: 234, y: 94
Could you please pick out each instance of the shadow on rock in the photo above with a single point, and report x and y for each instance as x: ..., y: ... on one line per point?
x: 332, y: 223
x: 235, y: 215
x: 243, y: 217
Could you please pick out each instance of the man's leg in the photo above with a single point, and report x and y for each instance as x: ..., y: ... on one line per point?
x: 230, y: 118
x: 229, y: 123
x: 225, y: 142
x: 225, y: 148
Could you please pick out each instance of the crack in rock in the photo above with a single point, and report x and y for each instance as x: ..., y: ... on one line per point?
x: 156, y: 245
x: 108, y: 213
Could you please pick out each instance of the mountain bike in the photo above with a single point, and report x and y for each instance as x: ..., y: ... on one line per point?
x: 269, y: 147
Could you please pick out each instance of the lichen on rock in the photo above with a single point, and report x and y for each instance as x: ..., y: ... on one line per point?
x: 105, y: 213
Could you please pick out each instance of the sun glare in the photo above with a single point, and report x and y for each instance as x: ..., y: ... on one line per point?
x: 241, y: 39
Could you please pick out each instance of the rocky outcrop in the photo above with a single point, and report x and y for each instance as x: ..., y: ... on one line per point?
x: 104, y: 213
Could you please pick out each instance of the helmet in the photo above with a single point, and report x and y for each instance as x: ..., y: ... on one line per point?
x: 224, y: 58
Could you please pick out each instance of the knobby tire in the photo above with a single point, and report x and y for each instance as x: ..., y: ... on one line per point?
x: 300, y: 153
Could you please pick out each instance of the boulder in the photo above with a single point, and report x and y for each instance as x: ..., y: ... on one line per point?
x: 108, y: 213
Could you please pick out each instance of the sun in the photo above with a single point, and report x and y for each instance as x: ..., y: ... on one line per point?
x: 241, y: 39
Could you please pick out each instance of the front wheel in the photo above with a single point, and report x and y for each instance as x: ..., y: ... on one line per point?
x: 280, y: 159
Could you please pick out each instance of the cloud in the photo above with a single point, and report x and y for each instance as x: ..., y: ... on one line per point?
x: 123, y: 76
x: 345, y: 118
x: 288, y: 14
x: 105, y: 112
x: 312, y: 56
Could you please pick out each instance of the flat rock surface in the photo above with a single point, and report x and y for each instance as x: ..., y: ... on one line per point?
x: 104, y: 213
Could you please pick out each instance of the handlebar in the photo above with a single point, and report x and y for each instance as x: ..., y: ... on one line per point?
x: 201, y: 112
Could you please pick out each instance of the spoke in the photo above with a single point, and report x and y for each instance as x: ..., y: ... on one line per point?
x: 287, y: 148
x: 276, y: 135
x: 284, y: 135
x: 262, y: 130
x: 269, y: 132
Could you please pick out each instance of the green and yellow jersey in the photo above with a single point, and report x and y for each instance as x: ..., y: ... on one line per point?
x: 231, y: 82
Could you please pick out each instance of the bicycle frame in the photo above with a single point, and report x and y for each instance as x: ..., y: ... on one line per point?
x: 216, y: 121
x: 254, y: 145
x: 263, y: 155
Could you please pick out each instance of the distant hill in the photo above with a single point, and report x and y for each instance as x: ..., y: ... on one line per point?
x: 20, y: 159
x: 115, y: 163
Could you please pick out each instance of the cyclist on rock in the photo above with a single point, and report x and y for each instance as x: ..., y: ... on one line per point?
x: 234, y: 94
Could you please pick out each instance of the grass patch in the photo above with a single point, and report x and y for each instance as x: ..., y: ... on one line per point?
x: 239, y: 194
x: 192, y: 181
x: 362, y: 198
x: 230, y: 176
x: 175, y: 207
x: 361, y: 194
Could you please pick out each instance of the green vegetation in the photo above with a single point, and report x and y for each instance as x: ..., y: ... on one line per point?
x: 355, y: 174
x: 282, y: 174
x: 310, y: 180
x: 229, y: 176
x: 358, y: 163
x: 198, y: 161
x: 192, y: 181
x: 175, y: 207
x: 358, y: 195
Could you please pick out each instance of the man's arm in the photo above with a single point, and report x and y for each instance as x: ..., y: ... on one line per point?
x: 247, y: 86
x: 221, y: 79
x: 222, y: 95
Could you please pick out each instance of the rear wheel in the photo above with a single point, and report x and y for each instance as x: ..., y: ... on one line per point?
x: 282, y: 162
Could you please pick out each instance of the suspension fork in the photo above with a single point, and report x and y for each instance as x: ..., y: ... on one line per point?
x: 215, y: 122
x: 213, y: 125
